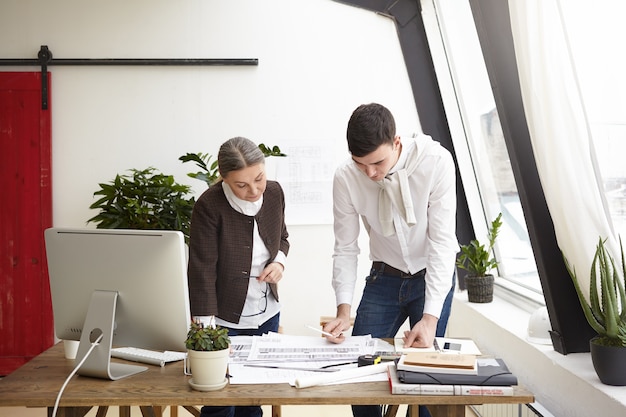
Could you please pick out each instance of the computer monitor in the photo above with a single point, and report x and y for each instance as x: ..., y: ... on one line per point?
x: 130, y: 286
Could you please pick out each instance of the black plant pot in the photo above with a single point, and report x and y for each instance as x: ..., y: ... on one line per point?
x: 479, y: 289
x: 609, y: 363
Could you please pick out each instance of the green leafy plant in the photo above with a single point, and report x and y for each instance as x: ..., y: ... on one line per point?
x: 146, y: 199
x: 209, y: 172
x: 606, y: 309
x: 206, y: 338
x: 273, y: 151
x: 477, y: 259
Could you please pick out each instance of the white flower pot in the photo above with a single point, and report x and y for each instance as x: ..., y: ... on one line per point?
x: 208, y: 369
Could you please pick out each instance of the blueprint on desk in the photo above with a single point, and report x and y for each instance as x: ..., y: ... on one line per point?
x: 281, y: 354
x: 276, y: 347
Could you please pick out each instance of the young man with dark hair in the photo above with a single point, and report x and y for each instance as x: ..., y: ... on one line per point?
x: 405, y: 194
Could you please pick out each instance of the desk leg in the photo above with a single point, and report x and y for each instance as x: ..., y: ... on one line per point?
x: 192, y: 410
x: 446, y: 410
x: 392, y: 410
x: 146, y: 411
x: 102, y: 411
x: 69, y: 411
x: 276, y: 411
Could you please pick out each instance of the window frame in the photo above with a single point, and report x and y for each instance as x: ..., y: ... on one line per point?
x: 523, y: 296
x: 571, y: 332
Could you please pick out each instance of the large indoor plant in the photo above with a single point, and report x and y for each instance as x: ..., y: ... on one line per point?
x: 147, y: 199
x: 478, y: 261
x: 208, y: 348
x: 606, y: 313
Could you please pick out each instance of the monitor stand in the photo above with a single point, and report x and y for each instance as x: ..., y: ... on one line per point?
x: 101, y: 320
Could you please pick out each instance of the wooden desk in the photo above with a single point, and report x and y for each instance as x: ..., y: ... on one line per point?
x: 37, y: 383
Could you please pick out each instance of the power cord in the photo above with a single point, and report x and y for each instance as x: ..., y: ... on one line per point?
x: 56, y: 403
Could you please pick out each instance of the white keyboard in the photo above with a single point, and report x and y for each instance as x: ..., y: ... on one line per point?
x: 151, y: 357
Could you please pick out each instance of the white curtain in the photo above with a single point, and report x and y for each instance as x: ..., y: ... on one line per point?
x: 560, y: 133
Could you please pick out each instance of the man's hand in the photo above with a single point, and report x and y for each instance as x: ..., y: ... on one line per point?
x: 422, y: 334
x: 339, y: 324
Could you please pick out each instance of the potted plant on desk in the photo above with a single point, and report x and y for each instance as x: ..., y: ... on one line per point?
x: 208, y: 349
x: 478, y: 261
x: 606, y: 313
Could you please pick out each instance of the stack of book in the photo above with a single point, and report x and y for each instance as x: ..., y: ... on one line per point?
x: 436, y: 373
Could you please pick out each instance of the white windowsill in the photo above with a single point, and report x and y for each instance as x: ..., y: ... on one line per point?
x: 566, y: 385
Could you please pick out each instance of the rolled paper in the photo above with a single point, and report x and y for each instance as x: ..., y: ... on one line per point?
x: 344, y: 374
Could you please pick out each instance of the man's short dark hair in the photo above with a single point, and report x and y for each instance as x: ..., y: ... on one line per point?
x: 370, y: 126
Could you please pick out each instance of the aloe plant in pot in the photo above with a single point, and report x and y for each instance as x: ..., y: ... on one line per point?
x: 478, y: 261
x: 606, y: 313
x: 208, y: 351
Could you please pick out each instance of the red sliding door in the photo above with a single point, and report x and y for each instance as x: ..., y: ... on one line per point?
x: 25, y: 211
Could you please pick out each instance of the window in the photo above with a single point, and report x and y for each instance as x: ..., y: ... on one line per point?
x: 478, y: 140
x: 595, y: 39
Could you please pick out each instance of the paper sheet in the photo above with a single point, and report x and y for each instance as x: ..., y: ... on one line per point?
x: 258, y: 350
x: 240, y: 348
x: 445, y: 344
x: 342, y: 376
x: 275, y: 347
x: 314, y: 352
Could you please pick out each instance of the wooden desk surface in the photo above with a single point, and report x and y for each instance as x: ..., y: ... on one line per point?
x: 37, y: 383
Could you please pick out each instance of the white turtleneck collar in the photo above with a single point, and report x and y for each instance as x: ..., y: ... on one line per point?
x: 249, y: 208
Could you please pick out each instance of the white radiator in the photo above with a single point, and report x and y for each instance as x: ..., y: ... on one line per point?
x: 510, y: 410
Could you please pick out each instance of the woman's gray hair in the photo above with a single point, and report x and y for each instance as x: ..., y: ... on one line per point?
x: 238, y: 153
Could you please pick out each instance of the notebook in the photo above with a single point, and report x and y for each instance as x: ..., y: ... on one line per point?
x: 435, y: 362
x: 491, y: 371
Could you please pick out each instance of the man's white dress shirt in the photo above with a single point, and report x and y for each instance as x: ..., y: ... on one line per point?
x: 429, y: 243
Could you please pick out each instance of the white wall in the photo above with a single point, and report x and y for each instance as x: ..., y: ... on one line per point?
x: 318, y: 60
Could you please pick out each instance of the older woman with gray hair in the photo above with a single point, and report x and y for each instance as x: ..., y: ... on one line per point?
x: 237, y: 251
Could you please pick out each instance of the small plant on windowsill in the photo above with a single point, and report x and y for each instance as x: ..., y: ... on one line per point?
x: 478, y: 261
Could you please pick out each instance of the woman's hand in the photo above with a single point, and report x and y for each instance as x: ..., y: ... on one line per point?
x: 272, y: 273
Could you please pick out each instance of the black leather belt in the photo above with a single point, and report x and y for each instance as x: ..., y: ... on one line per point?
x: 385, y: 269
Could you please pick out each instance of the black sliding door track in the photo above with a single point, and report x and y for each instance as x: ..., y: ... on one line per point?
x: 45, y: 59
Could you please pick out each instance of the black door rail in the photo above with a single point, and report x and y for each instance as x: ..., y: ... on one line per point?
x: 44, y: 59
